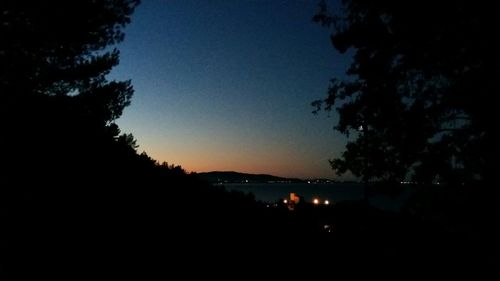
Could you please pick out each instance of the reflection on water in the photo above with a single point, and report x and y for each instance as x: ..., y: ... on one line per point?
x: 272, y: 192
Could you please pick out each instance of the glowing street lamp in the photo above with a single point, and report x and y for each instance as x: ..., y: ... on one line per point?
x: 315, y: 201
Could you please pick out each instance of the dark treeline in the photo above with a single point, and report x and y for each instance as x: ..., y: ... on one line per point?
x: 417, y: 104
x: 77, y: 201
x: 417, y: 100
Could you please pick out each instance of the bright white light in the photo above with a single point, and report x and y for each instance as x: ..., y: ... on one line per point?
x: 316, y: 201
x: 285, y: 201
x: 327, y: 202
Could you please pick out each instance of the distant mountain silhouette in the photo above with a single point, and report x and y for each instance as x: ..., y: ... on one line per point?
x: 236, y: 177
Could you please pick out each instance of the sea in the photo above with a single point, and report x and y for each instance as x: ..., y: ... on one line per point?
x: 274, y: 192
x: 333, y: 192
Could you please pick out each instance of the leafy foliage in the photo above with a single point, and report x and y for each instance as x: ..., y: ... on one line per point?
x: 420, y: 87
x: 76, y: 200
x: 56, y: 100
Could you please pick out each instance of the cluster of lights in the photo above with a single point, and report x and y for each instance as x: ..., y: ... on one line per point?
x: 294, y: 199
x: 316, y: 201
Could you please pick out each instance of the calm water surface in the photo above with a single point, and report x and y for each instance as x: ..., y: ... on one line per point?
x: 272, y: 192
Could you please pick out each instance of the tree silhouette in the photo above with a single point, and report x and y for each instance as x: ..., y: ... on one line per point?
x: 63, y: 155
x: 57, y: 48
x: 76, y: 200
x: 418, y: 97
x: 54, y: 58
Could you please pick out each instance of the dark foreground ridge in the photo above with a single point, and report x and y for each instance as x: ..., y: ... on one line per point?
x: 78, y: 202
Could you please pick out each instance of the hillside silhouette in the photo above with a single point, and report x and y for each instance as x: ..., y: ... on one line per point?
x: 237, y: 177
x: 77, y: 201
x: 76, y: 198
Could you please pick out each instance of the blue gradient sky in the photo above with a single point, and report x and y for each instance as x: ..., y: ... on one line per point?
x: 227, y: 85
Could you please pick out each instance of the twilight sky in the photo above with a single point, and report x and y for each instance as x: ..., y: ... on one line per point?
x: 227, y: 85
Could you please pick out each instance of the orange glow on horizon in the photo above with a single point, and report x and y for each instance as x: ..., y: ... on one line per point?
x: 250, y: 168
x: 193, y: 156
